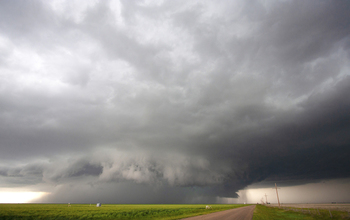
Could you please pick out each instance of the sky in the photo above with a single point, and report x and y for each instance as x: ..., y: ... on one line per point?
x: 174, y: 101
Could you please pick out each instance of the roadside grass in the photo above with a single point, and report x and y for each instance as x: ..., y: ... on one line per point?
x: 262, y: 212
x: 105, y: 212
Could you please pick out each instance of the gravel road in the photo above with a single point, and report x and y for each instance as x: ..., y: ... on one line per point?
x: 243, y: 213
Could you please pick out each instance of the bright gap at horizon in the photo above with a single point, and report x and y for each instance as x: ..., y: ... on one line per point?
x: 324, y: 192
x: 19, y: 196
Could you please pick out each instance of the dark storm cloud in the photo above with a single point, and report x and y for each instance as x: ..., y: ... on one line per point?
x: 310, y: 144
x: 21, y: 176
x: 86, y: 169
x: 70, y: 169
x: 195, y: 99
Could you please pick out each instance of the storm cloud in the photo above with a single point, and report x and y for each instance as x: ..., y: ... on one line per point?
x: 172, y: 101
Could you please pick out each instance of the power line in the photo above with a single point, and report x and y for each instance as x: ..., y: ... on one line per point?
x: 279, y: 205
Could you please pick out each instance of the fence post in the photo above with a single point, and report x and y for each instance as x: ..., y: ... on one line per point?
x: 330, y: 213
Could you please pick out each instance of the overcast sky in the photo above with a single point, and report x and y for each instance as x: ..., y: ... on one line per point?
x: 173, y: 101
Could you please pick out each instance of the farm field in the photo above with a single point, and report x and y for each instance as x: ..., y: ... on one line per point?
x: 303, y: 211
x: 336, y: 207
x: 106, y: 211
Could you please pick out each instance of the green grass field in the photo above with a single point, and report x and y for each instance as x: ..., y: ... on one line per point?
x: 85, y: 211
x: 273, y: 213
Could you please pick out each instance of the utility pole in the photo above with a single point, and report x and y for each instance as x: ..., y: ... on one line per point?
x: 266, y: 198
x: 279, y: 205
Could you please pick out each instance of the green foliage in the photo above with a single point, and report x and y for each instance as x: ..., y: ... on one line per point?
x: 263, y: 213
x: 85, y: 211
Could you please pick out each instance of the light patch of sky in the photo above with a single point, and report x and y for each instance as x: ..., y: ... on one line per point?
x: 40, y: 84
x: 4, y: 42
x: 178, y: 43
x: 339, y: 55
x: 151, y: 3
x: 70, y: 66
x: 26, y: 59
x: 74, y: 10
x: 84, y: 45
x: 29, y: 70
x: 114, y: 71
x: 215, y: 9
x: 238, y: 26
x: 19, y: 195
x: 326, y: 85
x: 118, y: 83
x: 6, y: 48
x: 286, y: 102
x: 344, y: 72
x: 116, y: 7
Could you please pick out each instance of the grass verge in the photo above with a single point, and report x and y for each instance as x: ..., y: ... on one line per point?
x: 262, y: 212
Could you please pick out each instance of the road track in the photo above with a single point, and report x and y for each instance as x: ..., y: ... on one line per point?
x: 243, y: 213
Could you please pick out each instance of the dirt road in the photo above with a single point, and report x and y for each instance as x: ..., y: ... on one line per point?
x: 243, y: 213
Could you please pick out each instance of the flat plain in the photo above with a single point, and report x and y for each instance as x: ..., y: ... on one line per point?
x: 106, y: 211
x: 330, y: 206
x: 302, y: 212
